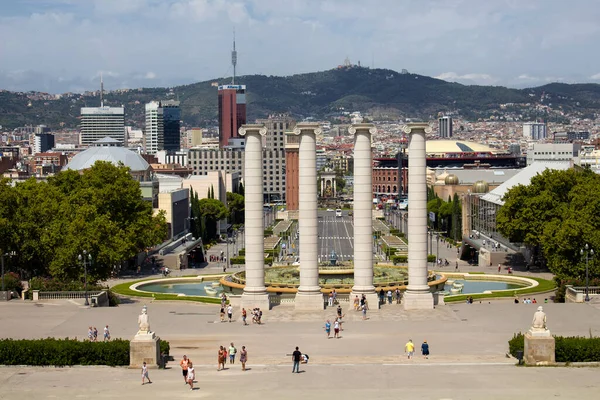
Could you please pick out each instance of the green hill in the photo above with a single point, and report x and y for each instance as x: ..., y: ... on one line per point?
x: 315, y: 94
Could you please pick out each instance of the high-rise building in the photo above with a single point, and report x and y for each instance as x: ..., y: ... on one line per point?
x: 276, y: 126
x: 154, y: 134
x: 534, y: 130
x: 42, y: 142
x: 171, y: 124
x: 445, y: 127
x: 100, y: 122
x: 232, y: 111
x: 292, y: 170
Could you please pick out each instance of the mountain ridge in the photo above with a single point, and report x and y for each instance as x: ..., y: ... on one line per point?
x: 385, y: 93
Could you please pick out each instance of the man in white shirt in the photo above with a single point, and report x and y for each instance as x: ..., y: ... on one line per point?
x: 229, y: 312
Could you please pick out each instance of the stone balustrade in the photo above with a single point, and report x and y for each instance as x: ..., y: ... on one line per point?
x: 576, y: 294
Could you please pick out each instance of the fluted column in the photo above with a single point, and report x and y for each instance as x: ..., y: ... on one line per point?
x: 309, y: 296
x: 255, y: 293
x: 418, y: 295
x: 363, y: 213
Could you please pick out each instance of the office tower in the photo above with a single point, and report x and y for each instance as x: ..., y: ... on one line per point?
x: 172, y: 125
x: 42, y: 142
x: 154, y: 134
x: 100, y: 122
x: 445, y: 127
x: 534, y: 130
x: 232, y: 111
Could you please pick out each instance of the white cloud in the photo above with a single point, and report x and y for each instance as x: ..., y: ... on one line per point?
x: 150, y: 75
x: 595, y: 76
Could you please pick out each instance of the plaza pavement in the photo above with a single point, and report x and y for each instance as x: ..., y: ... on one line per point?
x: 468, y: 346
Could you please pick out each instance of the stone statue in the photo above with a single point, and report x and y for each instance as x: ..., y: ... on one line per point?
x: 539, y: 320
x: 144, y: 321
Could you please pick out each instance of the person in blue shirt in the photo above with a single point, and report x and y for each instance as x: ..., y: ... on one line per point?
x: 425, y: 349
x: 328, y: 328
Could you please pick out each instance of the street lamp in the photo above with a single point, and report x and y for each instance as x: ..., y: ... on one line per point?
x: 9, y: 254
x: 84, y: 260
x: 588, y: 253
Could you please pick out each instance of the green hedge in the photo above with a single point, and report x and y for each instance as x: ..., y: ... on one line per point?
x: 431, y: 258
x: 567, y: 349
x: 165, y: 347
x: 240, y: 260
x: 60, y: 352
x: 242, y: 252
x: 268, y: 232
x: 397, y: 259
x: 395, y: 232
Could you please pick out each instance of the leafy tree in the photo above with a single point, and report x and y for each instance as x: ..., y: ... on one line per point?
x: 211, y: 211
x: 557, y: 213
x: 241, y: 189
x: 235, y: 203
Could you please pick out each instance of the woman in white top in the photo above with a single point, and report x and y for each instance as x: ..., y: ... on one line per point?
x: 191, y: 375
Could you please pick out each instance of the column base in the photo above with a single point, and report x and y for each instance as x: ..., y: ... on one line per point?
x: 312, y: 301
x: 372, y: 300
x: 417, y: 300
x: 251, y: 301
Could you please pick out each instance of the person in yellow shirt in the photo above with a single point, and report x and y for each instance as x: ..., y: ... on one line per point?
x: 409, y: 348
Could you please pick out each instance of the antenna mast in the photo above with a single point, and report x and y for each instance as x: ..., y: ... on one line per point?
x: 233, y: 58
x: 101, y: 91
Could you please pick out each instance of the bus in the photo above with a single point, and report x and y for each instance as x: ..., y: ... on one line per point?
x: 338, y: 212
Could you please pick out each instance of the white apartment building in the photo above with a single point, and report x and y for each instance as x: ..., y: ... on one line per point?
x: 202, y: 161
x: 154, y: 135
x: 100, y: 122
x: 534, y: 131
x: 554, y: 152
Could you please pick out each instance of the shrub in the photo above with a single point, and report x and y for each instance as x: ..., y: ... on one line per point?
x: 268, y: 232
x: 516, y: 343
x: 577, y: 349
x: 431, y: 258
x: 242, y: 252
x: 241, y: 260
x: 12, y: 282
x: 402, y: 258
x: 394, y: 232
x: 165, y: 347
x: 61, y: 352
x: 268, y: 260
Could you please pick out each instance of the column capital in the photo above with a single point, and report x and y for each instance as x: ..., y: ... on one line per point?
x: 362, y: 127
x: 312, y: 127
x: 252, y: 128
x: 417, y: 127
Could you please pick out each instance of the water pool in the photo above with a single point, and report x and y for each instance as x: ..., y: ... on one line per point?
x: 190, y: 289
x: 472, y: 287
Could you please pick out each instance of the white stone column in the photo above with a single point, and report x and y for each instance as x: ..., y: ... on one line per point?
x: 309, y: 296
x: 363, y: 214
x: 418, y: 295
x: 255, y: 293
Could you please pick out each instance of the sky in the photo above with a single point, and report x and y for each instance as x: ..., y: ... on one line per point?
x: 64, y: 45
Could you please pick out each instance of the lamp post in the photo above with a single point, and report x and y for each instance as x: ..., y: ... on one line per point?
x: 588, y: 252
x: 84, y: 260
x: 9, y: 254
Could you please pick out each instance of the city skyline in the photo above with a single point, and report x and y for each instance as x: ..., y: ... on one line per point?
x: 64, y: 45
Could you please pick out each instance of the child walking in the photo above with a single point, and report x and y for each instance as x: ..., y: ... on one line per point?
x: 145, y: 373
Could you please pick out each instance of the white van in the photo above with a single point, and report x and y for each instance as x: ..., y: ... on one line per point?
x: 338, y: 212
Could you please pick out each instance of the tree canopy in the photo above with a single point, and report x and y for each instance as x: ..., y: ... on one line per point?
x: 100, y: 211
x: 558, y: 213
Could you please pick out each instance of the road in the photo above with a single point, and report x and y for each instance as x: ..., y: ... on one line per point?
x: 335, y: 234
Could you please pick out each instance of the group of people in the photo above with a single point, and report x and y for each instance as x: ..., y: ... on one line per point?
x: 230, y: 353
x: 216, y: 258
x: 361, y: 305
x: 332, y: 299
x: 93, y: 334
x: 409, y: 349
x: 226, y: 309
x: 390, y: 296
x: 337, y: 327
x: 529, y: 301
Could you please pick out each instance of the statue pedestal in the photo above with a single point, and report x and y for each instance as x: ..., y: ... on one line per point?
x: 144, y: 347
x: 539, y: 347
x: 417, y: 300
x: 309, y: 301
x: 254, y: 300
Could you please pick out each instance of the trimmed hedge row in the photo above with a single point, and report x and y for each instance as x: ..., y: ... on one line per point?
x: 567, y: 349
x: 61, y: 352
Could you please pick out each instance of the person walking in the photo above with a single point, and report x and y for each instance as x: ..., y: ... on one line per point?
x: 365, y: 307
x: 229, y: 312
x: 409, y: 348
x: 243, y: 357
x: 145, y: 373
x: 356, y: 303
x: 389, y: 296
x: 330, y: 299
x: 191, y: 375
x: 425, y: 349
x: 95, y: 334
x: 184, y: 364
x: 106, y: 334
x: 397, y: 293
x: 499, y: 268
x: 221, y: 359
x: 222, y: 313
x: 244, y: 316
x: 328, y: 329
x: 296, y: 357
x: 90, y: 334
x: 336, y: 329
x: 232, y: 353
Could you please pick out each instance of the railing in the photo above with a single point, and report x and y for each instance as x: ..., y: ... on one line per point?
x: 576, y: 294
x: 66, y: 295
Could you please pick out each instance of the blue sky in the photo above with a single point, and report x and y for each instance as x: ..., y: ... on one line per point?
x: 64, y: 45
